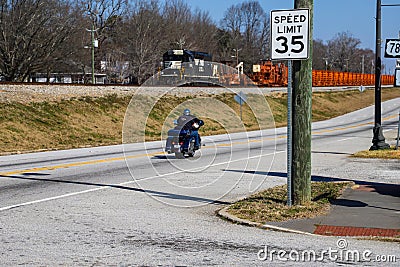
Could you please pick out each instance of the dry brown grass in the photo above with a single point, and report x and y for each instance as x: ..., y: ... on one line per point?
x: 65, y: 124
x: 94, y: 121
x: 381, y: 154
x: 327, y: 105
x: 270, y: 205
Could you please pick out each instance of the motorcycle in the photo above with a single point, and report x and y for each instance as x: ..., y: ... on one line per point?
x: 181, y: 142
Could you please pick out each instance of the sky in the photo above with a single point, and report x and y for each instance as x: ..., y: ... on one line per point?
x: 330, y: 17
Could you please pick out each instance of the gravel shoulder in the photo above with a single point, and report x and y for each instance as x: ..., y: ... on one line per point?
x: 52, y: 93
x: 25, y: 93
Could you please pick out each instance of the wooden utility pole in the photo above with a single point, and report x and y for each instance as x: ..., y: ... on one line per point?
x: 301, y: 108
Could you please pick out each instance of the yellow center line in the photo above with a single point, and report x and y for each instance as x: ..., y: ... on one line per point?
x: 77, y: 164
x: 107, y: 160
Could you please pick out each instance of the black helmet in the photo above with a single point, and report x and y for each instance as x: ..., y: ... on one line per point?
x: 186, y: 112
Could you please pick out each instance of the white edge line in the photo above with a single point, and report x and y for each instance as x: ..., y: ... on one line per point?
x: 50, y: 198
x: 345, y: 139
x: 124, y: 183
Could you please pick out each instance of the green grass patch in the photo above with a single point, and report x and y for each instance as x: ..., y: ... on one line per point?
x: 270, y: 205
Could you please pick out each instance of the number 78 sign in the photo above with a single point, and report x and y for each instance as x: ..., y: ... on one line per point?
x: 290, y: 30
x: 392, y: 48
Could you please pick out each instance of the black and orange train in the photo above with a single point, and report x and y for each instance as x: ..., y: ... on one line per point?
x: 190, y: 66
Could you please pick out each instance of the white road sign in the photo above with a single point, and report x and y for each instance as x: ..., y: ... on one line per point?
x: 290, y: 34
x: 392, y: 48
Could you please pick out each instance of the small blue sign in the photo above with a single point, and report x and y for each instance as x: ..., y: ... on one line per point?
x: 241, y: 98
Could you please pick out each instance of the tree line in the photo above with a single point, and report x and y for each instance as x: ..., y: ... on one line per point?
x: 50, y: 36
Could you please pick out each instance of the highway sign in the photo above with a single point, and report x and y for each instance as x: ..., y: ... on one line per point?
x: 290, y: 30
x: 397, y: 77
x: 392, y: 48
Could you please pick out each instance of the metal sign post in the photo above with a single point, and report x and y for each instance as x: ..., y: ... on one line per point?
x: 241, y: 99
x: 289, y: 136
x: 398, y: 134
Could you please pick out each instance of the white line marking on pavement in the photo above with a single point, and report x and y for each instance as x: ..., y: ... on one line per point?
x: 345, y: 139
x: 124, y: 183
x: 50, y: 198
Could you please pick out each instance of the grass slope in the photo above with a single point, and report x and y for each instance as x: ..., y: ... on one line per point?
x: 94, y: 121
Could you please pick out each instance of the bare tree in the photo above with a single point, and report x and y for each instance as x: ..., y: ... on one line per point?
x: 202, y: 33
x: 255, y: 25
x: 248, y: 27
x: 362, y: 61
x: 31, y: 31
x: 320, y: 55
x: 103, y: 15
x: 143, y: 37
x: 253, y: 16
x: 232, y: 23
x: 342, y: 54
x: 264, y: 38
x: 224, y: 42
x: 177, y: 17
x: 342, y: 51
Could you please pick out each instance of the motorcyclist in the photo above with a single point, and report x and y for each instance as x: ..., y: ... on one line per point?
x: 192, y: 124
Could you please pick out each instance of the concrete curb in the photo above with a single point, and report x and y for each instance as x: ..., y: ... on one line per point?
x: 227, y: 216
x: 223, y: 213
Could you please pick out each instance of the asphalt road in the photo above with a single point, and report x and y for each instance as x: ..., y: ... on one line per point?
x: 134, y: 205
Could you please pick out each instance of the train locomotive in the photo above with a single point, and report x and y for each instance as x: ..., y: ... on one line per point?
x: 188, y: 66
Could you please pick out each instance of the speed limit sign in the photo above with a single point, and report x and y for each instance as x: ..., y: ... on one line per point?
x: 392, y: 48
x: 290, y: 31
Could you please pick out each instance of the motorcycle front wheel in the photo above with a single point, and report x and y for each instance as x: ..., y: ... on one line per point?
x: 191, y: 150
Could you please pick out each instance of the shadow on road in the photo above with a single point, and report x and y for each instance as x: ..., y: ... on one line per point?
x: 380, y: 188
x: 152, y: 192
x: 391, y: 190
x: 349, y: 203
